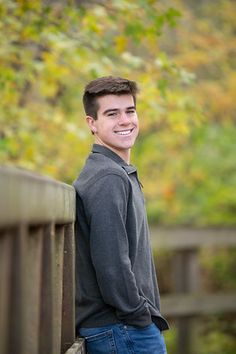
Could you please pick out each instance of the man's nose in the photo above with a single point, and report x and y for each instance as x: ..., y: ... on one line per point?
x: 124, y: 118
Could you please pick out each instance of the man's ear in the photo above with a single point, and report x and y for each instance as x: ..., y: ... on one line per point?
x: 91, y: 123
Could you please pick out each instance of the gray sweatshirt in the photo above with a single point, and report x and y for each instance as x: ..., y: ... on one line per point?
x: 115, y: 275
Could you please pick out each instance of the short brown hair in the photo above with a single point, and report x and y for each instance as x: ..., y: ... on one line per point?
x: 107, y: 85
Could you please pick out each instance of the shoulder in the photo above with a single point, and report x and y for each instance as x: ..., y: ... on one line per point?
x: 100, y: 171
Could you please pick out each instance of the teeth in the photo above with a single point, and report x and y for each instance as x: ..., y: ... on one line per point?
x: 124, y: 132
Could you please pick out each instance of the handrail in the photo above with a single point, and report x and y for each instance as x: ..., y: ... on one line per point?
x: 32, y: 198
x: 189, y: 300
x: 37, y: 282
x: 185, y: 238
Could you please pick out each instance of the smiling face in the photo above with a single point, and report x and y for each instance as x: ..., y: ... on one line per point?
x: 116, y: 126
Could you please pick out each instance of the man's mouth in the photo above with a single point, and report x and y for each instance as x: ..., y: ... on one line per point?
x: 124, y: 132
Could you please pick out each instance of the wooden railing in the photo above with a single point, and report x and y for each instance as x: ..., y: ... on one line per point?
x: 37, y: 268
x: 189, y: 300
x: 36, y: 265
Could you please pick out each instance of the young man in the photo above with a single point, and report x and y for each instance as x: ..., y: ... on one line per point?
x: 117, y: 297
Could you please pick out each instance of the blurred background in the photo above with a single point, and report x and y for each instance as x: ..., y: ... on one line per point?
x: 182, y: 54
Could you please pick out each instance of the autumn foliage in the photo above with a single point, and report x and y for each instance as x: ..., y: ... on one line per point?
x: 183, y: 60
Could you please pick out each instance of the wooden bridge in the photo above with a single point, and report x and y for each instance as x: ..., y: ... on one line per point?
x: 37, y: 268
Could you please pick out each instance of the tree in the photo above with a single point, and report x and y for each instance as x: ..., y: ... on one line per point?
x: 186, y: 109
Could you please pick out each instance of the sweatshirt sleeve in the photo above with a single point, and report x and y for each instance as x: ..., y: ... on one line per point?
x: 109, y: 245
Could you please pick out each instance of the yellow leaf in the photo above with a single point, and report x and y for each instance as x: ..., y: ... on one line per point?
x: 121, y: 43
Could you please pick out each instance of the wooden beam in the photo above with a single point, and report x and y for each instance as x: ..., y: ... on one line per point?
x: 77, y: 348
x: 195, y: 304
x: 190, y: 238
x: 27, y: 197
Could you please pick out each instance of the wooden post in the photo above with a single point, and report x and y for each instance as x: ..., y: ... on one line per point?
x: 5, y: 288
x: 46, y: 320
x: 17, y: 308
x: 186, y: 280
x: 32, y: 289
x: 57, y: 289
x: 68, y: 308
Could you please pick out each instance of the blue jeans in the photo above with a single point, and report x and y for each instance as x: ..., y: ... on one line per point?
x: 122, y: 339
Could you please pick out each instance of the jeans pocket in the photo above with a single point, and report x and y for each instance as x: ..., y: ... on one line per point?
x: 101, y: 343
x: 146, y: 340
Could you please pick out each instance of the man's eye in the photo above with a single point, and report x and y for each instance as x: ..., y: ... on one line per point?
x: 131, y: 111
x: 112, y: 114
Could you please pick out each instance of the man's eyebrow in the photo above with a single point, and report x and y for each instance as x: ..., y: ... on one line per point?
x: 109, y: 110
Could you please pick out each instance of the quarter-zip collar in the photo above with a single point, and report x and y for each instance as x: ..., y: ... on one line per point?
x: 100, y: 149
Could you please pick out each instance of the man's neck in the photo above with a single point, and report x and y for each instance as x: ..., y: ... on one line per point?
x: 124, y: 154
